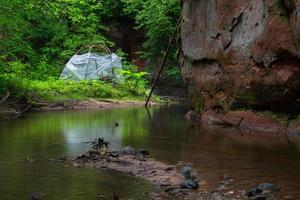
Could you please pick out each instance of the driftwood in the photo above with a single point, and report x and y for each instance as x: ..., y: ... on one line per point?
x: 15, y: 109
x: 5, y: 98
x: 21, y: 113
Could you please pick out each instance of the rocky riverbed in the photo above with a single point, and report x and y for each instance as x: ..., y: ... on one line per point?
x: 173, y: 181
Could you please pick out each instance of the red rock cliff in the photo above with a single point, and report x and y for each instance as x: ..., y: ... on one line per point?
x: 242, y: 53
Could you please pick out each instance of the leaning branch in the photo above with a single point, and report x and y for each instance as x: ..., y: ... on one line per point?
x: 164, y: 60
x: 5, y: 98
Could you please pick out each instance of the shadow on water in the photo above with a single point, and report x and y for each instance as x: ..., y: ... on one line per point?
x: 249, y: 159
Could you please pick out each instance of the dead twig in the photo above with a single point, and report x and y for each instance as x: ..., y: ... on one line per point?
x: 5, y: 98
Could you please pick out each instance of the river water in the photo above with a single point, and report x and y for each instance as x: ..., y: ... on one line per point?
x: 248, y: 159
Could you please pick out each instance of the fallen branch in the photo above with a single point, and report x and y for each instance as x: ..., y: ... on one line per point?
x: 5, y: 98
x: 22, y: 112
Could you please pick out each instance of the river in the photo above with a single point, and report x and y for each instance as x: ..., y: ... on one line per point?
x: 249, y: 159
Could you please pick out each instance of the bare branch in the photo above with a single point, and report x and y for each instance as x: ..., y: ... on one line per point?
x: 5, y: 98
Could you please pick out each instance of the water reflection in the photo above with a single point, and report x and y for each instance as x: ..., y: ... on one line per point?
x: 249, y: 159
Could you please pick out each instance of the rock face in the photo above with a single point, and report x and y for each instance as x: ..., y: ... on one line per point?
x: 242, y: 54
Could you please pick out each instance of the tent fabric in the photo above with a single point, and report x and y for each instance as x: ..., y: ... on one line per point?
x: 91, y: 66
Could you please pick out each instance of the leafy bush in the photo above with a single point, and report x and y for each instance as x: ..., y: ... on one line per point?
x: 134, y: 81
x: 53, y: 90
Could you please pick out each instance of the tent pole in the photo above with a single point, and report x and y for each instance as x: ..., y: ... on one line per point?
x: 163, y: 61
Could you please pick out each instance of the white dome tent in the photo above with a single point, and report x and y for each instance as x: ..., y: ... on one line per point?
x: 92, y: 66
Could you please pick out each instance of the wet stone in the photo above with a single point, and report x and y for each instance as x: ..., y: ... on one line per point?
x: 186, y: 171
x: 254, y: 192
x: 261, y: 192
x: 266, y: 187
x: 259, y: 197
x: 100, y: 143
x: 144, y: 152
x: 189, y: 184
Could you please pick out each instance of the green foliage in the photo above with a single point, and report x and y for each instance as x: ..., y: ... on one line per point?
x: 135, y: 81
x: 37, y: 37
x: 44, y: 34
x: 53, y: 89
x: 59, y: 90
x: 158, y: 18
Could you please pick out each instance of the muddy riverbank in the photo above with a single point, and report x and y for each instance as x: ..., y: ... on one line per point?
x: 17, y: 109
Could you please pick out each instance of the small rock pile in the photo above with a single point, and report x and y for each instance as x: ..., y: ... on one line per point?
x: 137, y: 163
x: 176, y: 184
